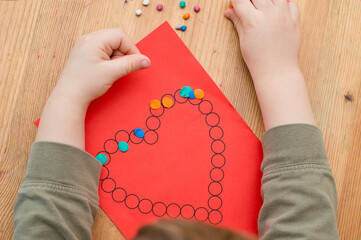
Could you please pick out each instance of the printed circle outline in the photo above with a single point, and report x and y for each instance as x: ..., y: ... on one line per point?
x: 178, y: 207
x: 120, y: 188
x: 106, y: 143
x: 128, y: 196
x: 209, y: 205
x: 210, y: 135
x: 209, y: 191
x: 195, y: 214
x: 175, y: 94
x: 111, y: 179
x: 220, y: 154
x: 157, y: 116
x: 103, y: 166
x: 194, y: 211
x: 195, y: 104
x: 146, y: 123
x: 199, y: 107
x: 115, y: 137
x: 130, y: 138
x: 145, y: 199
x: 165, y: 211
x: 150, y: 143
x: 224, y: 146
x: 219, y: 119
x: 210, y: 174
x: 209, y: 217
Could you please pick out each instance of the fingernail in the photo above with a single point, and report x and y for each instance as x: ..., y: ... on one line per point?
x: 145, y: 63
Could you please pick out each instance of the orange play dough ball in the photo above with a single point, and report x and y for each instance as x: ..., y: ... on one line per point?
x: 155, y: 104
x: 167, y: 102
x: 186, y: 16
x: 199, y: 94
x: 230, y: 5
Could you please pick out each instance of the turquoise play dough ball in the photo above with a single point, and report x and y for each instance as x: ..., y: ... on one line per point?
x: 191, y: 95
x: 182, y: 4
x: 123, y: 146
x: 184, y: 92
x: 138, y: 132
x: 101, y: 158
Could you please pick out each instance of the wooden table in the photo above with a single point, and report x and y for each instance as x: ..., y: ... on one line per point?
x: 36, y: 37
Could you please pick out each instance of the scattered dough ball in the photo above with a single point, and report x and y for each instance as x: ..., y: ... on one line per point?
x: 138, y: 12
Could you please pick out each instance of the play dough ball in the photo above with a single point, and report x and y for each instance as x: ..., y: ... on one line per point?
x: 197, y: 8
x: 155, y: 104
x: 191, y: 95
x: 199, y: 94
x: 138, y: 12
x: 184, y: 28
x: 138, y: 132
x: 160, y: 7
x: 123, y: 146
x: 167, y: 102
x: 178, y: 27
x: 146, y: 2
x: 101, y: 158
x: 230, y: 5
x: 184, y: 92
x: 186, y: 16
x: 182, y: 4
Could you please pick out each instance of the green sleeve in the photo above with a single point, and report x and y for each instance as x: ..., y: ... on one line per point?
x: 298, y: 188
x: 59, y: 195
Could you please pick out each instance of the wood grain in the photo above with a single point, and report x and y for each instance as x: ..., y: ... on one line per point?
x: 37, y: 35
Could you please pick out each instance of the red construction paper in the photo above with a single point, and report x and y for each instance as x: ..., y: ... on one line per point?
x: 176, y: 171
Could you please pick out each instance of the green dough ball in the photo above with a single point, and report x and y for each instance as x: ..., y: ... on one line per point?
x: 182, y: 4
x: 101, y: 158
x: 184, y: 92
x: 123, y: 146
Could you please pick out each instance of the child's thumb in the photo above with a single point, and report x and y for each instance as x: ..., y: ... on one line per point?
x: 231, y: 15
x: 129, y: 63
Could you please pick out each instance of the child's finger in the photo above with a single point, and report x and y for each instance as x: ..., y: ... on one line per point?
x: 124, y: 65
x: 262, y: 4
x: 281, y: 3
x: 244, y: 9
x: 117, y: 53
x: 231, y: 15
x: 295, y: 12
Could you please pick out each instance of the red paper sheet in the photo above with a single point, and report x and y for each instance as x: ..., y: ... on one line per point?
x: 200, y: 162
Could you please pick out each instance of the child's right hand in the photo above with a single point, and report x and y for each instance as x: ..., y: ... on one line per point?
x: 94, y: 64
x: 269, y: 34
x: 97, y: 60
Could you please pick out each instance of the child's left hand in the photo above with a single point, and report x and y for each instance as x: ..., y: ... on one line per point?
x: 96, y: 62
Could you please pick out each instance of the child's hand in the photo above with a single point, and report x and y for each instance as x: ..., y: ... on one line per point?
x: 269, y: 34
x: 96, y: 62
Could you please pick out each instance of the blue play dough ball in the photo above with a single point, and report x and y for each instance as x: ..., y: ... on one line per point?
x: 123, y: 146
x: 101, y: 158
x: 191, y: 95
x: 184, y: 92
x: 138, y: 132
x: 184, y: 28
